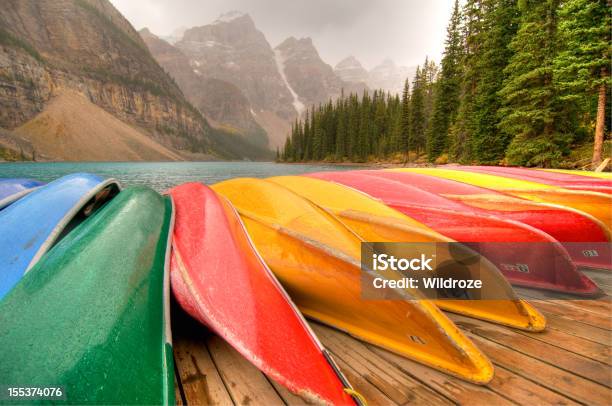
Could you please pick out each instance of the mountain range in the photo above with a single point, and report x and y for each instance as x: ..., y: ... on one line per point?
x: 73, y: 71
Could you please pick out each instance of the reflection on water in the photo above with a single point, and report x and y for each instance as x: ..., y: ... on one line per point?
x: 159, y: 175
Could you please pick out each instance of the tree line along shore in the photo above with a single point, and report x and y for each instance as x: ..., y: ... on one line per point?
x: 520, y: 83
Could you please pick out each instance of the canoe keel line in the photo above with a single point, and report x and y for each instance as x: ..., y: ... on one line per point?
x: 114, y: 262
x: 373, y: 221
x: 507, y: 243
x: 32, y: 225
x: 12, y: 190
x: 213, y: 257
x: 316, y: 259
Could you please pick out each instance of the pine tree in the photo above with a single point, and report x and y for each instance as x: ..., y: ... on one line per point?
x: 364, y: 128
x: 288, y: 149
x: 404, y: 133
x: 499, y: 25
x: 582, y: 67
x: 447, y: 88
x: 341, y: 129
x: 307, y: 142
x: 417, y: 112
x: 430, y: 73
x: 529, y: 100
x: 353, y: 128
x: 463, y: 129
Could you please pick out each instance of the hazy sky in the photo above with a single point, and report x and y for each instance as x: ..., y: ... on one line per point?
x: 371, y: 30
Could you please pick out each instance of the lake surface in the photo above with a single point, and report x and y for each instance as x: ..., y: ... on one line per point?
x: 159, y: 175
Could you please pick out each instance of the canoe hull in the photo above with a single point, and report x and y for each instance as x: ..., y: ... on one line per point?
x: 593, y: 203
x: 12, y: 190
x: 373, y: 221
x: 525, y: 255
x: 317, y: 261
x: 564, y: 180
x: 577, y: 232
x: 97, y: 311
x: 30, y: 226
x: 212, y: 255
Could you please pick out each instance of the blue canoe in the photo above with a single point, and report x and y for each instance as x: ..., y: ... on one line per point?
x: 14, y: 189
x: 30, y: 226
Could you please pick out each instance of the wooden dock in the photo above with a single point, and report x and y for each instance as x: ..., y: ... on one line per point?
x: 568, y: 364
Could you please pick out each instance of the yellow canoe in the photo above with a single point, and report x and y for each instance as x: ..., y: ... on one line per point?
x: 374, y: 221
x: 590, y: 174
x: 598, y: 205
x: 317, y: 260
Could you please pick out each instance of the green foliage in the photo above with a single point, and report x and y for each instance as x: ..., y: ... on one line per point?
x: 417, y: 111
x: 584, y: 31
x: 529, y: 99
x: 500, y: 23
x: 404, y: 120
x: 519, y: 82
x: 447, y: 88
x: 354, y: 128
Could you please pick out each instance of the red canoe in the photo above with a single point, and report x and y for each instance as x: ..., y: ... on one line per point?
x: 219, y: 279
x: 545, y: 264
x: 586, y: 240
x: 563, y: 180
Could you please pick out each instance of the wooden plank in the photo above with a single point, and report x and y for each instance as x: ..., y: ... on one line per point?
x: 601, y: 306
x: 371, y: 393
x: 599, y: 276
x: 572, y: 362
x: 201, y: 382
x: 603, y: 281
x: 178, y: 398
x: 578, y: 329
x: 546, y: 375
x: 396, y: 385
x: 524, y: 391
x: 596, y: 351
x: 288, y: 397
x: 453, y: 388
x: 557, y: 307
x: 244, y: 382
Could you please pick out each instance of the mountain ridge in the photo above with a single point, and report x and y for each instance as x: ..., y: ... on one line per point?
x: 87, y: 46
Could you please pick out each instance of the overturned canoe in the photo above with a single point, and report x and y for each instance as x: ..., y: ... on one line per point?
x: 12, y: 190
x: 564, y: 180
x: 219, y: 278
x: 92, y: 315
x: 30, y: 226
x: 579, y: 233
x: 590, y: 174
x: 317, y: 259
x: 526, y: 256
x: 594, y: 203
x: 375, y: 222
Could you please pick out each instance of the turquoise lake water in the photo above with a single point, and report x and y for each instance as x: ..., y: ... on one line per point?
x: 159, y: 175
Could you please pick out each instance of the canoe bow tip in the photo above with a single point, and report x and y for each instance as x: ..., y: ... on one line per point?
x: 537, y: 321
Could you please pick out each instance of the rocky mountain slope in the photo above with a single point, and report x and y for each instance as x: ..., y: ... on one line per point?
x: 220, y: 101
x: 350, y: 70
x: 60, y: 131
x: 311, y: 80
x: 387, y: 76
x: 233, y: 50
x: 49, y: 47
x: 278, y: 84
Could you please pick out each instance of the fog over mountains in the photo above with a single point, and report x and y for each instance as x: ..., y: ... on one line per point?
x: 213, y: 91
x: 239, y: 81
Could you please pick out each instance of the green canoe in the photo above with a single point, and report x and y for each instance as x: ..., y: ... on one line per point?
x: 92, y: 316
